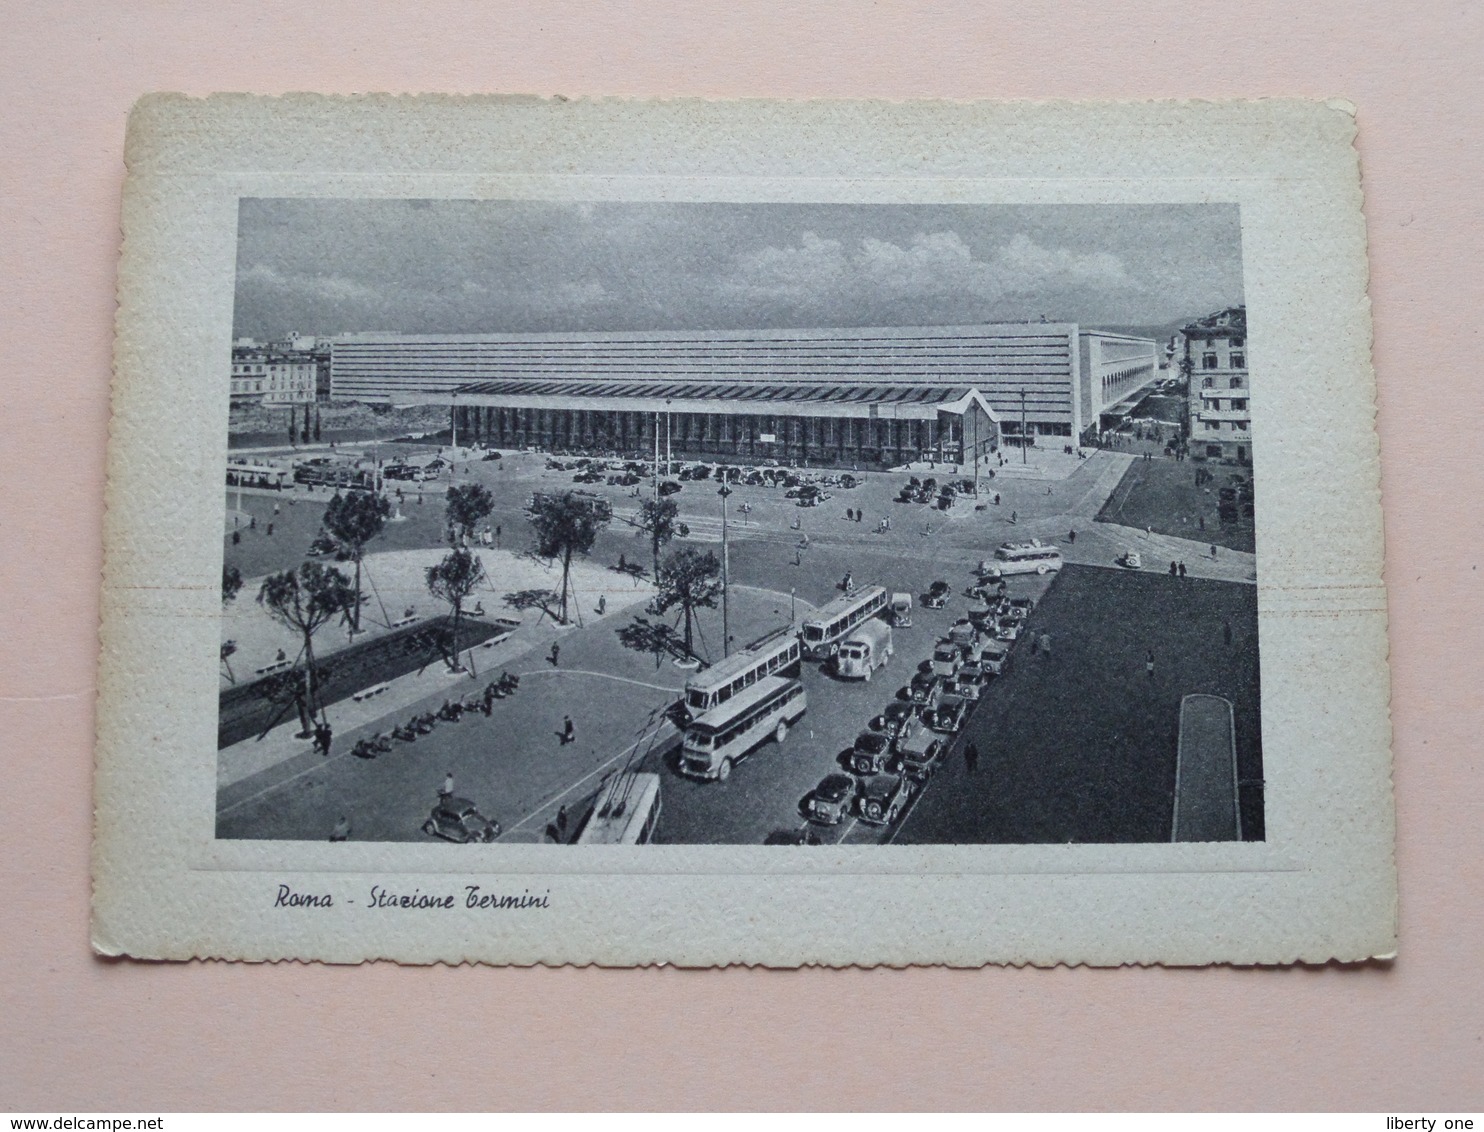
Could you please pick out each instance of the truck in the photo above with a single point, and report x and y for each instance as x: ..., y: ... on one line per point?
x: 866, y: 649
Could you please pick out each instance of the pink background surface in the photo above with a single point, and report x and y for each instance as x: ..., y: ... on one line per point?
x: 80, y: 1033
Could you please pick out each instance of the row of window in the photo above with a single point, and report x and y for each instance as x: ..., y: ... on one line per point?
x: 1210, y: 383
x: 1238, y: 361
x: 1237, y: 426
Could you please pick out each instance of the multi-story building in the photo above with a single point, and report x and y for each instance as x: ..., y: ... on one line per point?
x: 859, y: 395
x: 1214, y: 358
x: 265, y: 377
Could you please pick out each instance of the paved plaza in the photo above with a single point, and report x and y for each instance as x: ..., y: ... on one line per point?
x: 784, y: 560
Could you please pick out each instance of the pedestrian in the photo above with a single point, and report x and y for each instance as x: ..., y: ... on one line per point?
x: 1071, y: 538
x: 849, y: 514
x: 497, y: 533
x: 602, y: 604
x: 1226, y: 632
x: 270, y: 530
x: 622, y: 565
x: 996, y: 499
x: 858, y: 514
x: 341, y: 832
x: 1149, y: 663
x: 1174, y: 570
x: 1014, y: 516
x: 569, y: 733
x: 1182, y: 569
x: 1048, y: 490
x: 236, y: 537
x: 798, y: 556
x: 447, y: 785
x: 1203, y: 522
x: 971, y: 758
x: 1148, y: 532
x: 252, y: 523
x: 275, y: 510
x: 556, y: 654
x: 1213, y: 552
x: 561, y: 821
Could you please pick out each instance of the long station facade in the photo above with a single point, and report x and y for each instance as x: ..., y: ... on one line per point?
x: 853, y: 396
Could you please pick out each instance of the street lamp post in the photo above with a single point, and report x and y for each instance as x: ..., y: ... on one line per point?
x: 726, y: 626
x: 1024, y: 436
x: 669, y: 427
x: 791, y: 616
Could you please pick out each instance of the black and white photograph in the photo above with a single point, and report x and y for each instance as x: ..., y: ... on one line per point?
x: 713, y: 523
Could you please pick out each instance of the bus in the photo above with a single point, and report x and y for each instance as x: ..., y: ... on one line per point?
x: 625, y: 812
x: 832, y: 623
x: 334, y: 475
x: 1032, y: 557
x: 727, y: 734
x: 243, y: 473
x: 776, y: 654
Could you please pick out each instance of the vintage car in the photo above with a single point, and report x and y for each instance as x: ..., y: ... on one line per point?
x: 970, y: 680
x: 870, y: 753
x: 456, y: 819
x: 1007, y: 628
x: 669, y: 487
x: 949, y: 715
x: 937, y: 595
x: 832, y: 799
x: 947, y: 656
x: 962, y: 632
x: 882, y: 798
x: 918, y: 753
x: 994, y: 656
x: 896, y: 716
x: 1019, y: 607
x: 925, y: 689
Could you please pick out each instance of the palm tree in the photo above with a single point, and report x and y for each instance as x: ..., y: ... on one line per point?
x: 565, y: 526
x: 352, y: 520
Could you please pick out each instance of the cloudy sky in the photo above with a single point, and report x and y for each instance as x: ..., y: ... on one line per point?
x: 441, y: 266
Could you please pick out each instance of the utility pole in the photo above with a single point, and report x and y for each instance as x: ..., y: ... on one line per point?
x: 668, y: 428
x: 974, y: 408
x: 453, y: 424
x: 1024, y: 435
x: 726, y: 625
x: 656, y: 453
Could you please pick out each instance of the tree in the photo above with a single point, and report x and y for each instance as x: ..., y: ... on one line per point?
x: 468, y: 505
x: 303, y: 600
x: 453, y: 580
x: 690, y: 579
x: 565, y: 526
x: 293, y: 418
x: 657, y: 519
x: 351, y: 521
x: 317, y: 432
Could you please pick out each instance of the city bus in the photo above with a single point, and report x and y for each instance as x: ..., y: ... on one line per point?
x: 728, y: 733
x: 625, y: 812
x: 1033, y: 557
x: 242, y: 473
x: 832, y: 623
x: 595, y: 505
x: 776, y: 654
x: 334, y: 475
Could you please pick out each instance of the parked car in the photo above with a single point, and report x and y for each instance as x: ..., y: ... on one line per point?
x: 919, y: 754
x: 895, y: 718
x: 457, y: 819
x: 882, y: 798
x: 962, y: 632
x: 1007, y: 628
x: 669, y: 487
x: 947, y: 656
x: 832, y: 799
x: 870, y: 754
x: 994, y: 657
x: 949, y: 715
x: 925, y: 689
x: 937, y: 595
x: 970, y: 680
x: 490, y: 456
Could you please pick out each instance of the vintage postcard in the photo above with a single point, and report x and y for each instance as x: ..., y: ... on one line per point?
x: 623, y: 532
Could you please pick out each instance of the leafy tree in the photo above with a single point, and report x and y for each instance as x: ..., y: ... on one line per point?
x: 452, y: 581
x: 303, y: 600
x: 565, y: 526
x: 468, y: 505
x: 351, y: 521
x: 231, y: 583
x: 657, y: 518
x: 690, y: 579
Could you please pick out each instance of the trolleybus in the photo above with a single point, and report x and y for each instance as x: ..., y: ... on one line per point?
x: 832, y: 623
x: 625, y: 812
x: 776, y: 654
x: 727, y: 734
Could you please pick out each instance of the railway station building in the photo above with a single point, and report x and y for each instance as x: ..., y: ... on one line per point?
x: 867, y: 397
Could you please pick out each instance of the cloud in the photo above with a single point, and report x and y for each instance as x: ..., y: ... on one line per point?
x: 931, y: 266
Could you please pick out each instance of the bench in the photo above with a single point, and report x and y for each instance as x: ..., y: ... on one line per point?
x: 403, y: 622
x: 374, y: 690
x: 276, y: 666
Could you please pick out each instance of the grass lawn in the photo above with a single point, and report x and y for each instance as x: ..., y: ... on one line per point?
x: 1161, y: 494
x: 1079, y: 746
